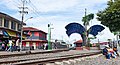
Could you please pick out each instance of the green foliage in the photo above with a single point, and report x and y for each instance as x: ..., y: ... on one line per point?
x: 97, y: 45
x: 110, y: 17
x: 87, y: 18
x: 89, y: 45
x: 115, y: 33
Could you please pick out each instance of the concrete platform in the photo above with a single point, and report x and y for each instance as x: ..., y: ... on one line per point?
x: 30, y: 51
x: 43, y: 51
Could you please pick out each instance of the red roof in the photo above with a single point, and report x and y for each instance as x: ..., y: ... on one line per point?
x: 31, y: 29
x: 79, y: 41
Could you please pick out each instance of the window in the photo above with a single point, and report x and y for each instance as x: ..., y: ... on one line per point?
x: 6, y: 23
x: 13, y: 25
x: 40, y: 34
x: 36, y: 33
x: 0, y: 21
x: 19, y: 27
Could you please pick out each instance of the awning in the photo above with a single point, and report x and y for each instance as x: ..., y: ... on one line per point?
x: 11, y: 33
x: 15, y: 34
x: 24, y: 36
x: 5, y: 33
x: 19, y: 35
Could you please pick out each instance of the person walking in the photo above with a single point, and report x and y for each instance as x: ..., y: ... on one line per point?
x: 10, y: 45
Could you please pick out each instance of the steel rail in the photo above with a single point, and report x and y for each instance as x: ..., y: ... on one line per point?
x: 48, y: 59
x: 31, y: 53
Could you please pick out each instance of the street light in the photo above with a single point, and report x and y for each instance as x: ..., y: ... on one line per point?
x: 28, y: 18
x: 22, y: 31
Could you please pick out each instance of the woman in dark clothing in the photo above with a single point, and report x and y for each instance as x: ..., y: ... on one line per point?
x: 105, y: 52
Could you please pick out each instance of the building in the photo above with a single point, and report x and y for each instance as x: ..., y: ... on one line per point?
x: 9, y: 28
x: 78, y: 45
x: 36, y: 38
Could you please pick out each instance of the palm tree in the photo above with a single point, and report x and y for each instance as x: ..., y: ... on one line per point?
x: 86, y: 19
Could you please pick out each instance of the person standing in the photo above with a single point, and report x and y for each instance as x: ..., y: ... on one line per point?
x: 7, y: 47
x: 3, y: 46
x: 17, y: 45
x: 45, y: 46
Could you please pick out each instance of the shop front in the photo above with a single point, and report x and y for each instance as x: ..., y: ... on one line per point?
x: 33, y: 44
x: 6, y: 35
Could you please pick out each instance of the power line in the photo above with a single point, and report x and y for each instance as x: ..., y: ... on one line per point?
x: 36, y: 10
x: 15, y: 3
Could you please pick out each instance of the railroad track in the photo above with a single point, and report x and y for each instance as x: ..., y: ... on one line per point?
x: 47, y: 57
x: 29, y: 52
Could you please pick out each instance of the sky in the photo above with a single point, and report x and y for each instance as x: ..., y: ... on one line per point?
x: 58, y: 13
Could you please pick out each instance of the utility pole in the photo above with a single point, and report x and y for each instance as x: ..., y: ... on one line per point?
x: 22, y: 12
x: 49, y: 37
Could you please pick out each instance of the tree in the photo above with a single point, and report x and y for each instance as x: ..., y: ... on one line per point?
x: 86, y: 19
x: 110, y: 17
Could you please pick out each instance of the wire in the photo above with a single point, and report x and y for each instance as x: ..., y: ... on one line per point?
x: 15, y: 3
x: 36, y: 11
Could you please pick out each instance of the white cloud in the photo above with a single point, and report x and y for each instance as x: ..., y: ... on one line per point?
x: 11, y: 4
x: 54, y: 5
x: 59, y: 13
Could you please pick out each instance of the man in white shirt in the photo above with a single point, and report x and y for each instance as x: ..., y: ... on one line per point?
x: 10, y: 45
